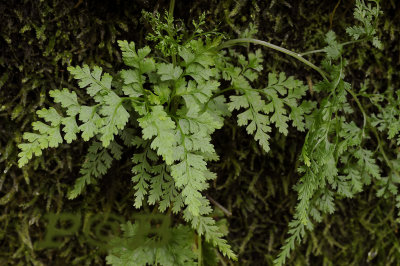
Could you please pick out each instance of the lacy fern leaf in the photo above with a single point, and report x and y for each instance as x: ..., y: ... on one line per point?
x: 165, y: 110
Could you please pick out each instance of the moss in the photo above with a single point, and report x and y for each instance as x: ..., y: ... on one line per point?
x: 39, y: 39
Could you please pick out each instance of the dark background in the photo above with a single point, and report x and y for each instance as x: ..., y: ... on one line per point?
x: 40, y: 39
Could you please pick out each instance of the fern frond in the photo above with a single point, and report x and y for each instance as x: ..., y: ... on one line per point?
x: 97, y: 162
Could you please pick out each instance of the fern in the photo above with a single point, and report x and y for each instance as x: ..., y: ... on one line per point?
x: 259, y: 103
x: 165, y: 109
x: 97, y: 162
x: 333, y: 161
x: 368, y: 15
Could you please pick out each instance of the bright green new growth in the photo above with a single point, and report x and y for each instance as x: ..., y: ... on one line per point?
x: 167, y: 109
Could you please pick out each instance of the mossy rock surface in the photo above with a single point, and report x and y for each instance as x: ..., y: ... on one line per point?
x: 40, y: 39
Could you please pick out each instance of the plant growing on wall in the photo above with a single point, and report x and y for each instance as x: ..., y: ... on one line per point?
x: 164, y: 106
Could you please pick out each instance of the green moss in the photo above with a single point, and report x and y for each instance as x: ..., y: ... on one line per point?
x: 39, y: 39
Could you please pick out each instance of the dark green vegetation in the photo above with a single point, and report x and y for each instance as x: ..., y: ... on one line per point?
x: 42, y: 39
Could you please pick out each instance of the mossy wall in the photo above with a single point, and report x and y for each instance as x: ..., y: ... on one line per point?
x: 40, y: 39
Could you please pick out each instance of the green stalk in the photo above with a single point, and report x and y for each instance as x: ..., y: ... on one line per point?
x: 275, y: 47
x: 171, y: 14
x: 313, y: 52
x: 365, y: 117
x: 199, y: 257
x: 323, y: 50
x: 373, y: 129
x: 171, y: 8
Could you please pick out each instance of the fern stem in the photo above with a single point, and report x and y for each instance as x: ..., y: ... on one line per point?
x: 275, y: 47
x: 171, y: 8
x: 170, y: 15
x: 313, y: 52
x: 380, y: 146
x: 199, y: 255
x: 355, y: 41
x: 365, y: 117
x: 388, y: 162
x: 220, y: 93
x: 323, y: 50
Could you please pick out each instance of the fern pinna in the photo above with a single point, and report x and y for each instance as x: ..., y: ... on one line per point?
x: 166, y: 103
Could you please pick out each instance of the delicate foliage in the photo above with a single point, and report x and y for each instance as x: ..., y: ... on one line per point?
x: 166, y: 109
x: 334, y: 156
x: 97, y: 161
x: 368, y: 15
x: 265, y: 106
